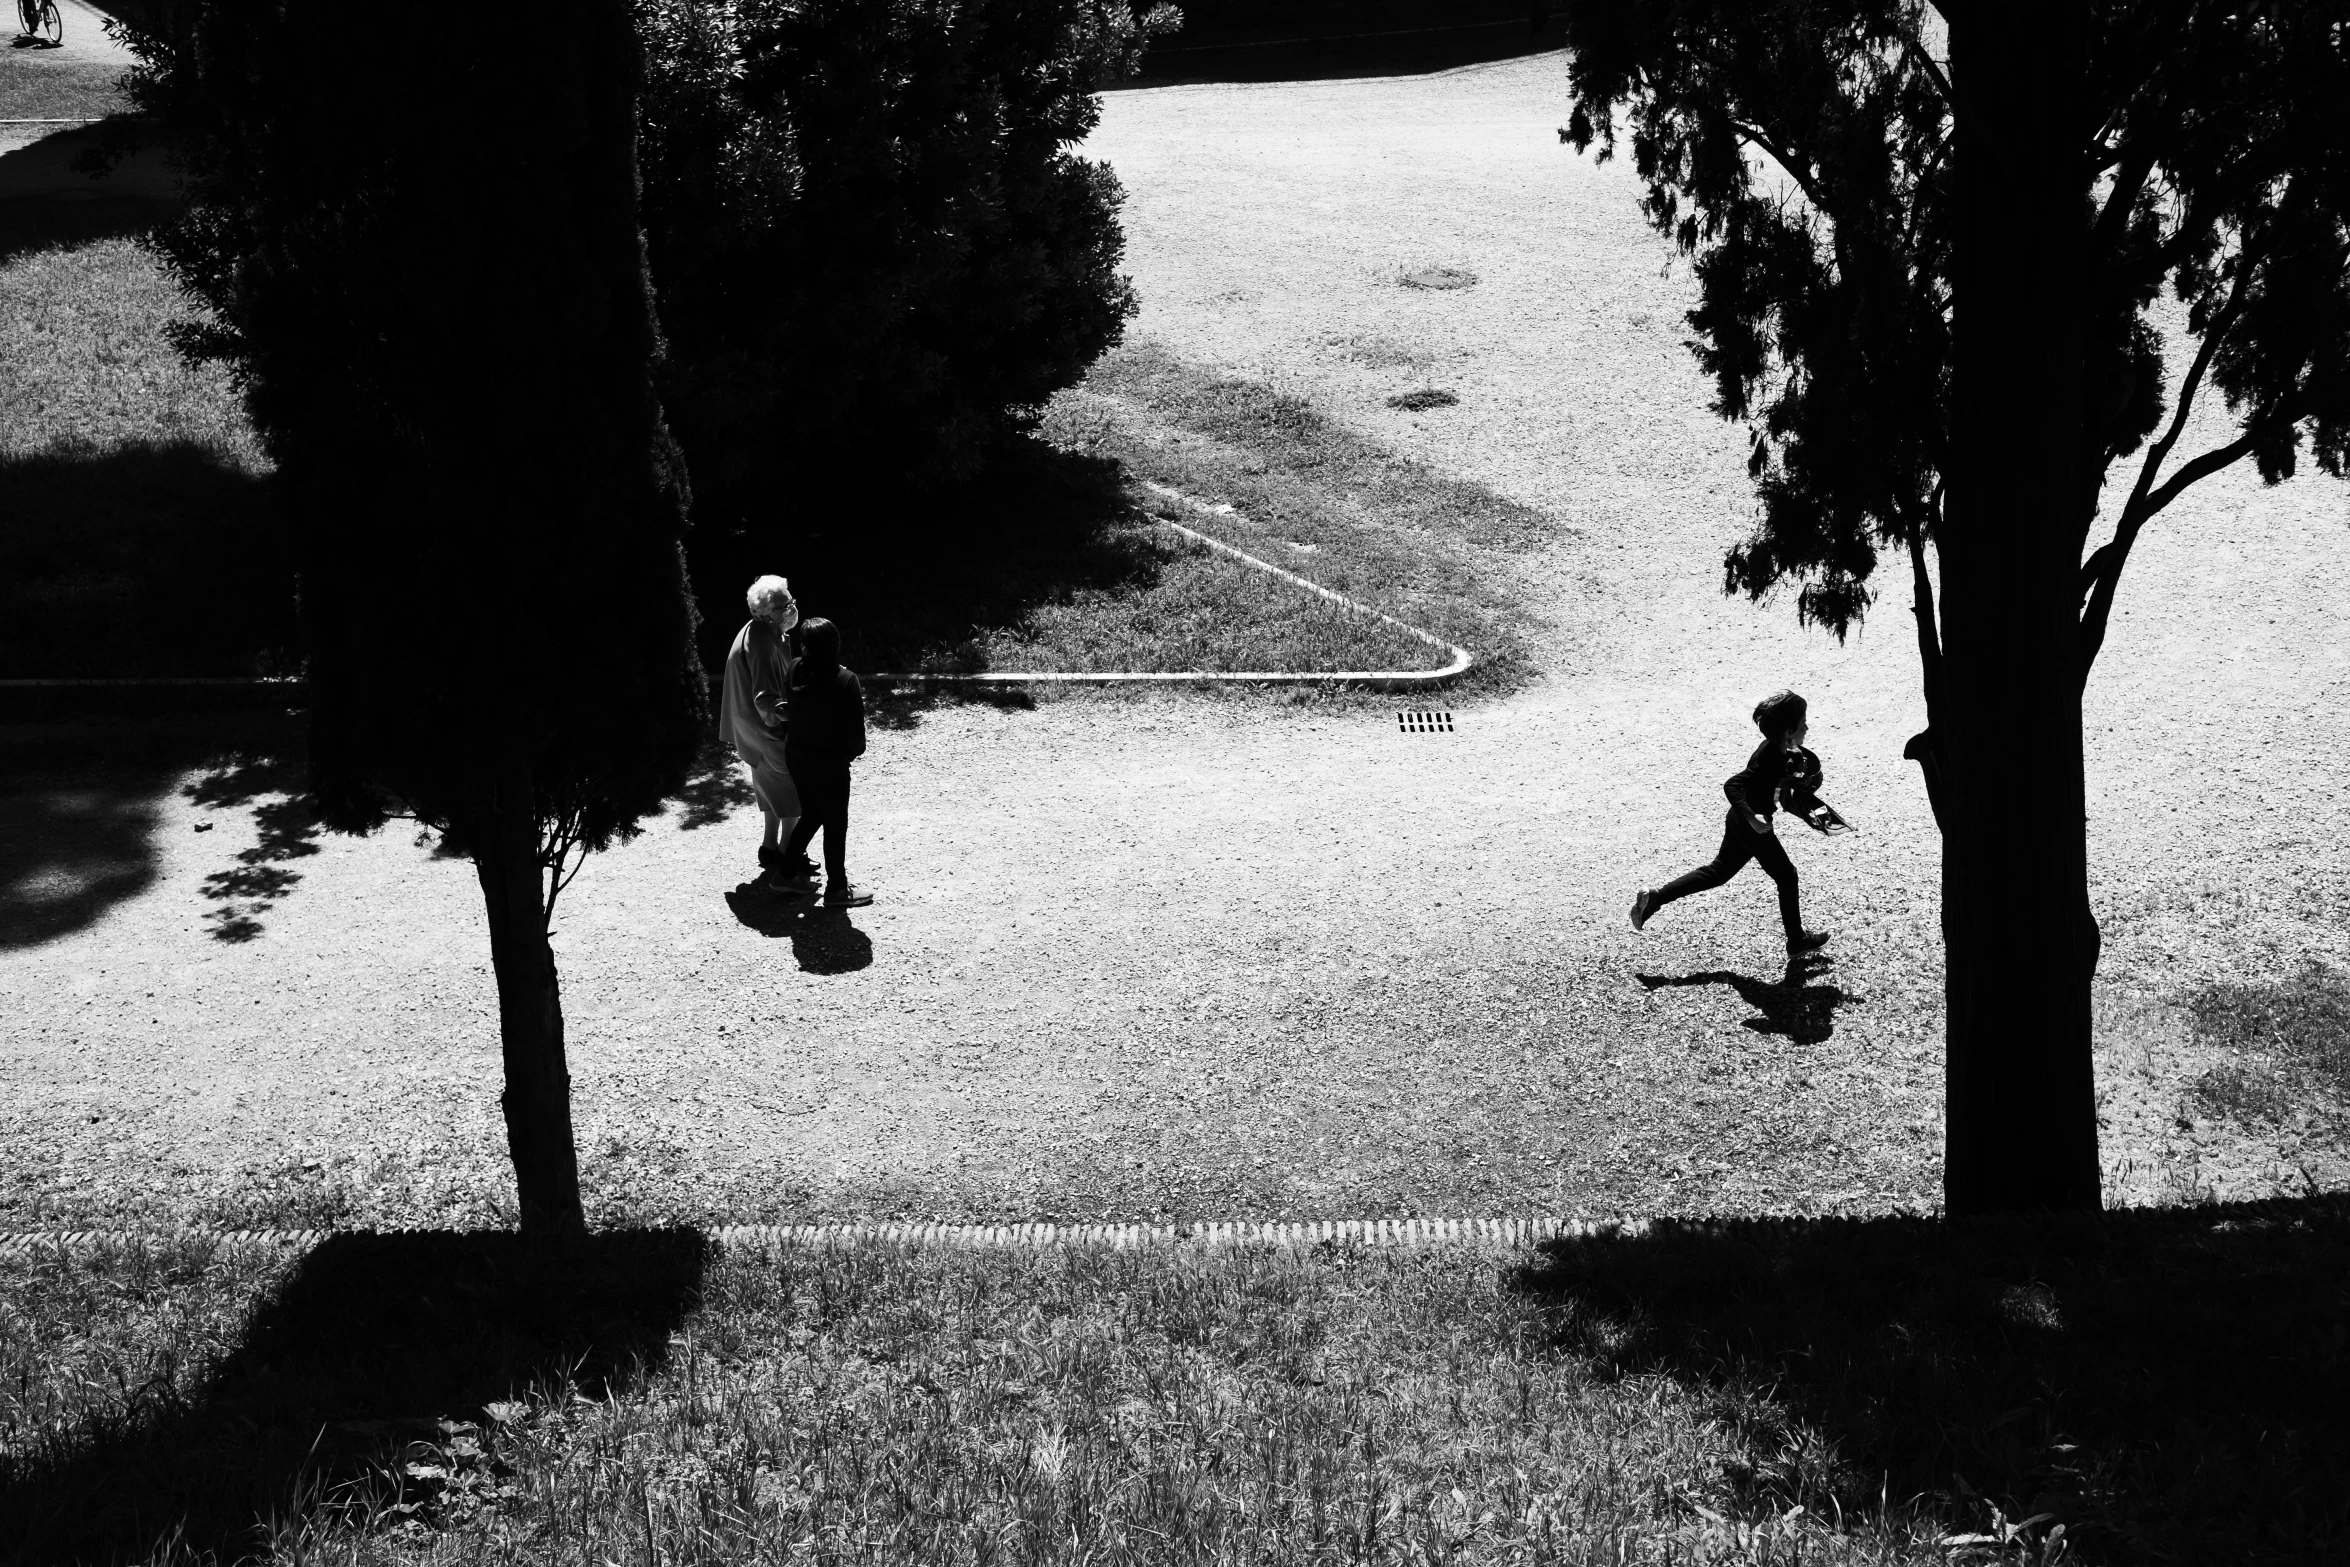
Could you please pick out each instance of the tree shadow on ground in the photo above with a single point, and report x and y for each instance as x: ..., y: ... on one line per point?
x: 288, y: 830
x: 718, y: 786
x: 80, y: 800
x: 1792, y: 1005
x: 2287, y: 1043
x: 158, y: 558
x: 2168, y: 1384
x: 375, y: 1343
x: 1272, y: 44
x: 822, y: 940
x: 47, y: 197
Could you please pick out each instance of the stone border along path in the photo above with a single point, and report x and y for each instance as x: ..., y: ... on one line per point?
x: 1413, y: 1233
x: 1375, y: 679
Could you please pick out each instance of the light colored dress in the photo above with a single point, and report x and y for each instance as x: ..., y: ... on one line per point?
x: 759, y: 662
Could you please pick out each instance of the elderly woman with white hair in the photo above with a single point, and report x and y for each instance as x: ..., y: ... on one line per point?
x: 751, y: 719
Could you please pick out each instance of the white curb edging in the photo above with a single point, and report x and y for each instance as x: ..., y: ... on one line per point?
x: 1387, y: 679
x: 1409, y: 1233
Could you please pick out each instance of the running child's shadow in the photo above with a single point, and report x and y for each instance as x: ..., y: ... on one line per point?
x: 1804, y: 1012
x: 822, y: 939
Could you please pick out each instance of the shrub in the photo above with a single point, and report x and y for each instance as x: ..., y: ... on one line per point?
x: 874, y: 253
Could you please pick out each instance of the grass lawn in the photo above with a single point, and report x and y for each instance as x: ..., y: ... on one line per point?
x: 1307, y: 494
x: 43, y: 84
x: 2158, y: 1386
x: 1055, y: 561
x: 136, y: 537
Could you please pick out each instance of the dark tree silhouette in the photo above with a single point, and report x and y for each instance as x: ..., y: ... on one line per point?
x: 426, y: 268
x: 876, y: 254
x: 1928, y: 240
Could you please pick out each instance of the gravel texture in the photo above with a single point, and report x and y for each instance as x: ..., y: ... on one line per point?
x: 1169, y: 955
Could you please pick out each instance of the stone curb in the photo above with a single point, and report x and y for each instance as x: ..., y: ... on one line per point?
x: 1409, y: 1233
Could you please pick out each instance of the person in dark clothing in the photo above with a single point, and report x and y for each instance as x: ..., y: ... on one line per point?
x: 824, y: 718
x: 1779, y: 763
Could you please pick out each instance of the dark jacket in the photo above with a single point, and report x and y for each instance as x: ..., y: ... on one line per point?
x: 825, y: 715
x: 1773, y: 773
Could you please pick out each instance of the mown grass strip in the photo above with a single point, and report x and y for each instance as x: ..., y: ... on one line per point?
x: 2159, y: 1384
x: 1431, y: 550
x: 1321, y: 636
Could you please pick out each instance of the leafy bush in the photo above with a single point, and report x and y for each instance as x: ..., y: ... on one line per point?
x: 875, y: 256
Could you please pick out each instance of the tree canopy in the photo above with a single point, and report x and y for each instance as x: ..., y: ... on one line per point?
x: 1799, y: 150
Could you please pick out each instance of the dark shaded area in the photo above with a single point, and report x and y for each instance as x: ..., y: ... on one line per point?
x: 153, y: 559
x: 79, y: 803
x: 1792, y: 1005
x: 1314, y: 40
x: 2168, y: 1384
x: 374, y: 1344
x: 914, y: 581
x: 2290, y: 1040
x: 48, y: 197
x: 822, y: 940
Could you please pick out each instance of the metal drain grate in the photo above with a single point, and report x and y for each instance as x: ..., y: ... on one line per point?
x: 1422, y: 721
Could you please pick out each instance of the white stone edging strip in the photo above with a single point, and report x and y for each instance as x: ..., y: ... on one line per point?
x: 1411, y: 1233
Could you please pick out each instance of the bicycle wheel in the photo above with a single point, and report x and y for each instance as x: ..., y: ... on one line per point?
x: 52, y: 25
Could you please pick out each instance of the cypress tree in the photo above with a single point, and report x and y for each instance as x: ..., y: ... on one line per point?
x: 427, y: 268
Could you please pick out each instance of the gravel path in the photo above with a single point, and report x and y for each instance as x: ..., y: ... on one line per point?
x: 1164, y: 955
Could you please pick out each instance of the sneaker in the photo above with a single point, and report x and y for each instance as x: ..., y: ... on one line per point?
x: 770, y: 857
x: 843, y: 896
x: 784, y: 879
x: 1807, y: 941
x: 1643, y: 905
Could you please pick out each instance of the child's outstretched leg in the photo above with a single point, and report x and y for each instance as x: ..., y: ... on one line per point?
x: 1738, y: 846
x: 1769, y: 854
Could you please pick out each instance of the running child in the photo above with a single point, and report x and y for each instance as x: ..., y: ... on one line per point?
x: 1779, y: 764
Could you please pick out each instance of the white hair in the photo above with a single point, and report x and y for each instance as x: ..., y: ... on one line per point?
x: 770, y: 597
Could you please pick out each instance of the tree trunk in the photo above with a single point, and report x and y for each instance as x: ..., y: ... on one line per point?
x: 2019, y: 940
x: 537, y: 1100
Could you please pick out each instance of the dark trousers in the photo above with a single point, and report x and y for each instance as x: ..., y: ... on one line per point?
x: 1740, y: 843
x: 823, y: 783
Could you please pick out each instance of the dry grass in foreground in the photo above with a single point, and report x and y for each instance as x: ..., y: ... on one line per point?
x: 2163, y: 1385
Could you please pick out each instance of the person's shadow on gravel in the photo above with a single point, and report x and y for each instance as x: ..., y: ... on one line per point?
x: 1804, y: 1012
x: 400, y: 1364
x: 822, y: 939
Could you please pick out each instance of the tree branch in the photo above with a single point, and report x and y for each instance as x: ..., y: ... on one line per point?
x: 2211, y: 462
x: 1929, y: 625
x: 2102, y: 570
x: 1794, y: 170
x: 2137, y: 161
x: 1933, y: 71
x: 2101, y: 573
